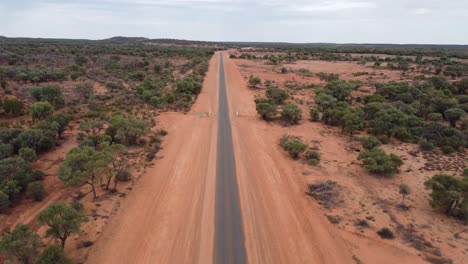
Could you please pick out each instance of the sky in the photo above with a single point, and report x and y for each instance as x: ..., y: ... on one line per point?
x: 337, y: 21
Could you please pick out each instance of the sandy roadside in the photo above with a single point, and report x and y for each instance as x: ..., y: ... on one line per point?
x: 169, y: 216
x: 281, y: 224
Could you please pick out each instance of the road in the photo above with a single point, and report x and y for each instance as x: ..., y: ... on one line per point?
x: 229, y: 233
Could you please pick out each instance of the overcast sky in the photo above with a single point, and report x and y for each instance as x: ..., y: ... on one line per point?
x: 340, y: 21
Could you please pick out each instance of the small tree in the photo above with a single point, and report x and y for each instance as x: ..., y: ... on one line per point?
x: 53, y: 254
x: 254, y: 81
x: 21, y: 244
x: 13, y: 106
x: 404, y: 191
x: 291, y: 114
x: 117, y: 162
x: 41, y: 110
x: 83, y: 165
x: 36, y: 191
x: 61, y: 122
x: 62, y: 221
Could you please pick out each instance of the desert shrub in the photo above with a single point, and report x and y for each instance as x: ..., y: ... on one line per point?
x: 447, y: 149
x: 453, y: 115
x: 53, y: 254
x: 291, y: 114
x: 314, y: 115
x: 370, y: 142
x: 127, y: 130
x: 84, y: 90
x: 276, y: 94
x: 387, y: 121
x: 313, y: 157
x: 51, y: 94
x: 28, y: 154
x: 4, y: 201
x: 378, y: 162
x: 325, y: 101
x: 293, y: 146
x: 254, y: 81
x: 38, y: 175
x: 339, y: 89
x: 425, y: 145
x: 61, y: 120
x: 124, y: 176
x: 37, y: 139
x: 41, y: 110
x: 386, y: 233
x: 21, y: 244
x: 266, y: 108
x: 13, y: 106
x: 449, y: 194
x: 6, y: 150
x: 36, y: 191
x: 435, y: 117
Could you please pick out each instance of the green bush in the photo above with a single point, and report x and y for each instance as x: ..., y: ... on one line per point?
x: 277, y: 95
x: 6, y: 150
x: 37, y: 139
x: 435, y: 117
x: 21, y: 244
x: 51, y: 94
x: 294, y: 147
x: 41, y: 110
x: 36, y: 191
x: 449, y: 194
x: 28, y: 154
x: 370, y: 142
x: 265, y: 108
x: 13, y: 106
x: 314, y: 115
x: 313, y: 157
x: 53, y: 254
x: 378, y: 162
x: 254, y: 81
x: 124, y: 176
x: 291, y: 114
x: 126, y: 130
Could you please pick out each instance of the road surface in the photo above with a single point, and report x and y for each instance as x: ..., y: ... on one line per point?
x: 229, y: 233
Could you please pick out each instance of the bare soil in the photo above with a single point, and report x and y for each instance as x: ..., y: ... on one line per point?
x: 273, y: 186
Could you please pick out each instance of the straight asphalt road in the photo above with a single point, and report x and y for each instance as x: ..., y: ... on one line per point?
x: 229, y: 247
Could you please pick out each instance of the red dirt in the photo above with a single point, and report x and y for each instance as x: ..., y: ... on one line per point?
x: 282, y: 224
x: 169, y: 216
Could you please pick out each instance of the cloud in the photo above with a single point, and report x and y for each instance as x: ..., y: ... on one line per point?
x: 396, y: 21
x: 333, y: 6
x: 420, y: 11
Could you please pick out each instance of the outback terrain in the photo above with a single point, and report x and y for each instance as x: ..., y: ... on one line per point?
x: 159, y: 151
